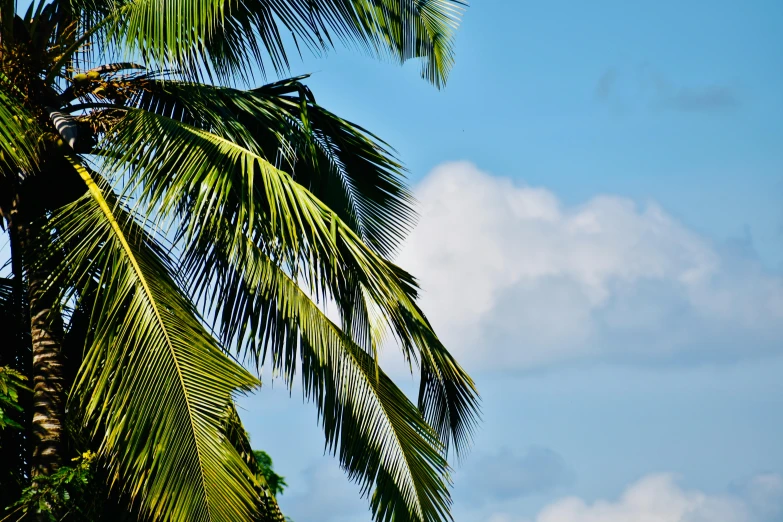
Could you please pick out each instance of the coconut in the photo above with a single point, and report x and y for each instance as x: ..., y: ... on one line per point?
x: 80, y: 79
x: 93, y: 76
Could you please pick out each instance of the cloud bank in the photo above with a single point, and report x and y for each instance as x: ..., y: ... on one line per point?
x: 658, y: 498
x: 514, y: 279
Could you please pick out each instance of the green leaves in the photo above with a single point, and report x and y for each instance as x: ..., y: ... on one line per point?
x: 222, y: 38
x: 221, y: 224
x: 244, y: 220
x: 403, y: 29
x: 11, y: 383
x: 347, y: 168
x: 17, y: 135
x: 52, y: 496
x: 265, y: 467
x: 153, y: 381
x: 378, y: 435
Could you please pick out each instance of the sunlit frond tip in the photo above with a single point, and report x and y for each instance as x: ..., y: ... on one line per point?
x: 408, y: 29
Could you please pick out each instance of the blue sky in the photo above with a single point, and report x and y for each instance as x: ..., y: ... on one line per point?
x: 601, y: 243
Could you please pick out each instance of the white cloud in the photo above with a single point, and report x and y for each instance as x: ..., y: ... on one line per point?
x: 655, y: 498
x: 658, y: 498
x: 512, y: 278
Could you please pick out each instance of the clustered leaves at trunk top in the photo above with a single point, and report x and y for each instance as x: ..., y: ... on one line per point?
x: 184, y: 220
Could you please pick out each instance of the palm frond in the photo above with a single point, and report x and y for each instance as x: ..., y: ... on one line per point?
x: 346, y: 167
x: 17, y: 134
x: 380, y: 437
x: 152, y: 378
x: 401, y: 29
x: 223, y: 37
x: 214, y: 185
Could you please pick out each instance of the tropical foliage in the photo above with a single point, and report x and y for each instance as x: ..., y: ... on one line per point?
x: 168, y: 221
x: 276, y: 483
x: 11, y: 384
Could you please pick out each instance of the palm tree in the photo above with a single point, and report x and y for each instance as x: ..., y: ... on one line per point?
x: 168, y: 222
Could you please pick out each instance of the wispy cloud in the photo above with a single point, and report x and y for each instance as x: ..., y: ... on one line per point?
x: 506, y: 475
x: 704, y: 98
x: 648, y: 85
x: 605, y: 85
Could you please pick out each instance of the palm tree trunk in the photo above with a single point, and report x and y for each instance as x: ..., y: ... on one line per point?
x: 47, y: 374
x: 48, y: 382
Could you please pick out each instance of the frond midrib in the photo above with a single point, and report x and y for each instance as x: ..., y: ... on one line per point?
x: 104, y: 206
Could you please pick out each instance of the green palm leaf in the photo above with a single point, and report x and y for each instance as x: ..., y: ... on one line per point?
x: 222, y: 37
x: 211, y: 179
x: 234, y: 186
x: 17, y: 134
x: 352, y: 175
x: 346, y: 167
x: 379, y: 435
x: 153, y: 379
